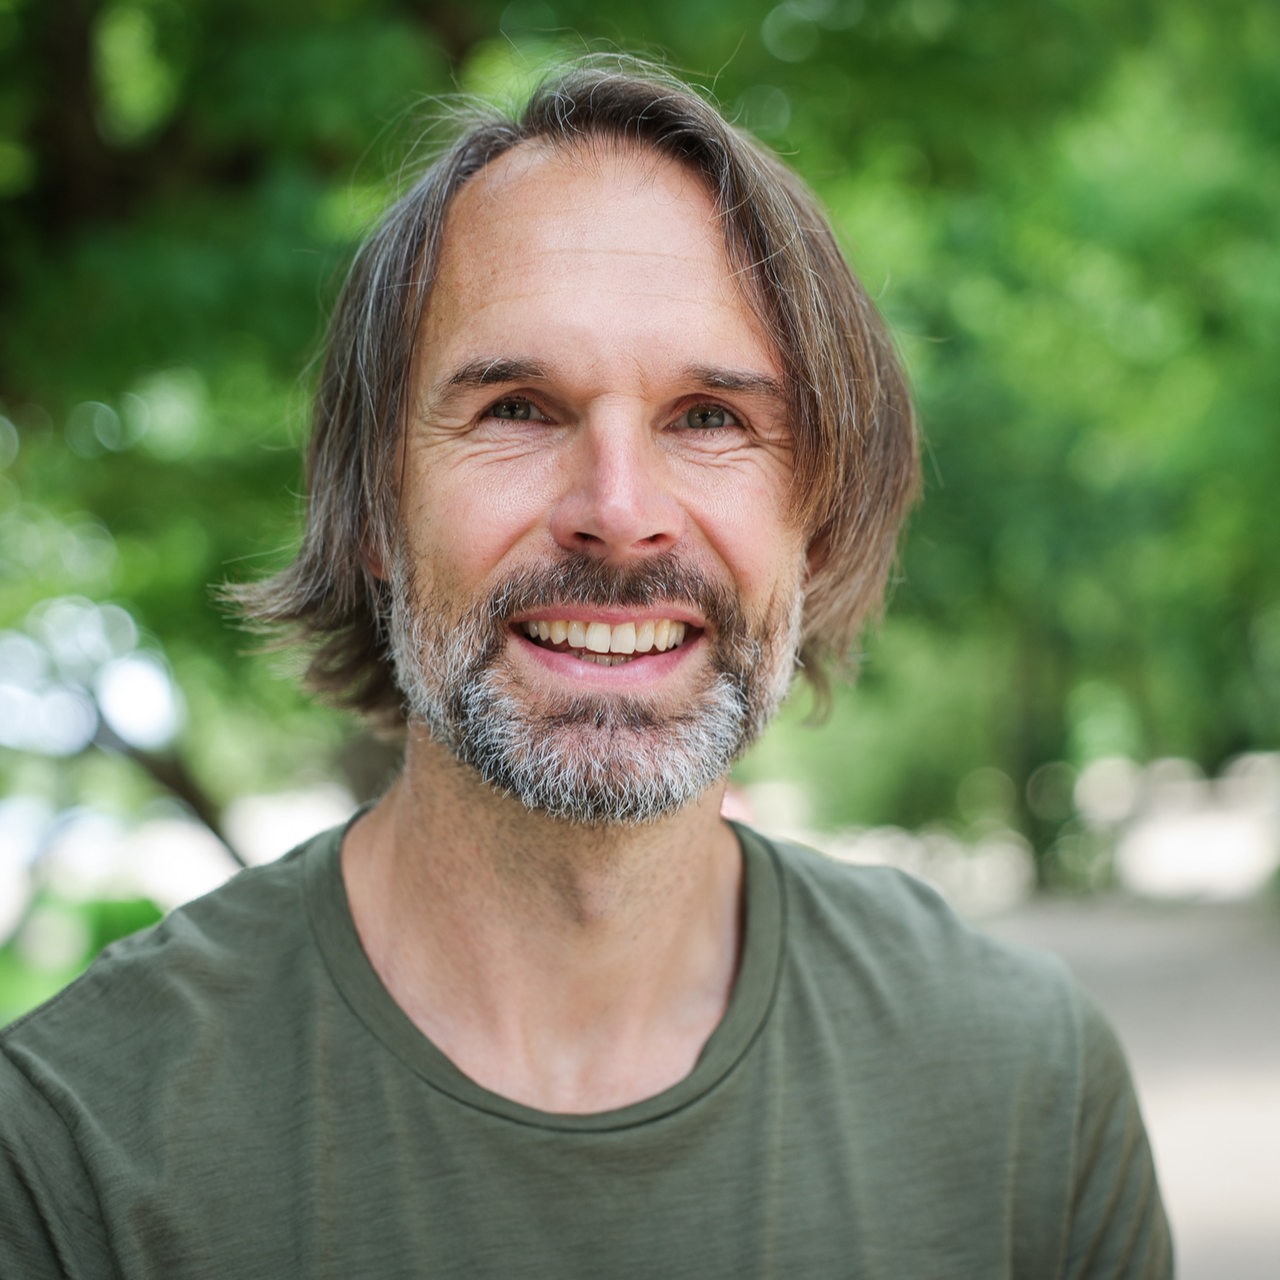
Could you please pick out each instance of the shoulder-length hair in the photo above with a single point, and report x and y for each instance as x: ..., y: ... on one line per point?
x: 855, y: 457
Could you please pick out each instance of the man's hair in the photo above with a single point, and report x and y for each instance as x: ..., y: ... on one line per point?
x: 854, y: 461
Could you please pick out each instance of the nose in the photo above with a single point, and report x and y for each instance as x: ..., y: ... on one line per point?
x: 618, y: 501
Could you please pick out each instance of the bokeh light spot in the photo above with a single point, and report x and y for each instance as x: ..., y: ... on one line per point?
x: 139, y: 701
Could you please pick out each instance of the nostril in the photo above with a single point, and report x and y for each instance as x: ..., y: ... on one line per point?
x: 609, y: 510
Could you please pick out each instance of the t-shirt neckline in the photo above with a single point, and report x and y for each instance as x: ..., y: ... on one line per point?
x: 370, y: 1002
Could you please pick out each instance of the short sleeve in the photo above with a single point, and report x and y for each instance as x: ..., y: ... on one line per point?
x: 49, y: 1221
x: 1118, y: 1229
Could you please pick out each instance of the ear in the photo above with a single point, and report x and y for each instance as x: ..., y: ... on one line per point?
x: 816, y: 556
x: 374, y: 562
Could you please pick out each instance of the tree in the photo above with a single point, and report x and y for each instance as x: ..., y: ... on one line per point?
x: 1067, y: 212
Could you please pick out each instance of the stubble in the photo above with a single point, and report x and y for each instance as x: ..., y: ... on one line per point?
x: 591, y: 759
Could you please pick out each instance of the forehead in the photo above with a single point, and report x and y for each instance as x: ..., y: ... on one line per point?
x: 575, y: 199
x: 614, y: 240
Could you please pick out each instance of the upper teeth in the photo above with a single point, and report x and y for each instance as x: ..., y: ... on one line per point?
x: 600, y: 637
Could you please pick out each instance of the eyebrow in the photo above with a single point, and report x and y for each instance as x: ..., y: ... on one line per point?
x: 500, y: 371
x: 714, y: 378
x: 487, y: 373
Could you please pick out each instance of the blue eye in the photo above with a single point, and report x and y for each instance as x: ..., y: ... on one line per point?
x: 515, y: 409
x: 709, y: 417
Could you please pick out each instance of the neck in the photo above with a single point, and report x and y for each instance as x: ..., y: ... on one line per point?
x: 569, y: 967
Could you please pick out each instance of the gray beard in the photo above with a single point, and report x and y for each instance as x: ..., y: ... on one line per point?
x: 595, y: 760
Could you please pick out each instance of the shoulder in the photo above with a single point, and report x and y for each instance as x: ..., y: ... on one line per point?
x: 899, y: 919
x: 881, y: 942
x: 994, y: 1047
x: 165, y: 990
x: 96, y: 1083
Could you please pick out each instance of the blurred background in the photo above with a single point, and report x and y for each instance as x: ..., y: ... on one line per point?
x: 1069, y: 721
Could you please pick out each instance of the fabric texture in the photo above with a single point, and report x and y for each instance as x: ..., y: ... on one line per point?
x: 890, y: 1096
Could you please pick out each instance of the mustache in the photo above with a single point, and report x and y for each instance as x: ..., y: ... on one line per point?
x: 583, y: 580
x: 478, y: 635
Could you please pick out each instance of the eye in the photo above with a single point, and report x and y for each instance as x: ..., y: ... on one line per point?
x: 708, y: 417
x: 515, y: 409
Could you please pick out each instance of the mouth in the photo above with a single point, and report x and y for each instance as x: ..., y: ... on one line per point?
x: 608, y: 644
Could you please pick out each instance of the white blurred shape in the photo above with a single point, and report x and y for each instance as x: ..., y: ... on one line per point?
x: 118, y: 629
x: 1174, y: 783
x: 172, y: 404
x: 61, y: 722
x: 264, y: 827
x: 1251, y: 781
x: 22, y: 661
x: 24, y: 822
x: 1108, y: 789
x: 779, y: 805
x: 83, y: 854
x: 73, y: 630
x: 994, y: 874
x: 171, y: 860
x: 24, y: 826
x: 1206, y: 852
x: 139, y: 701
x: 18, y: 711
x: 53, y: 938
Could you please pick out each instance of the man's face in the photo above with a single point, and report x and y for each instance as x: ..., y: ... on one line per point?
x: 597, y: 588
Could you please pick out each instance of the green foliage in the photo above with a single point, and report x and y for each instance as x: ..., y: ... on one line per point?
x: 1068, y: 212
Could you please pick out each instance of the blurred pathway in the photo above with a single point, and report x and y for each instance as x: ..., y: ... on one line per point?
x: 1194, y: 992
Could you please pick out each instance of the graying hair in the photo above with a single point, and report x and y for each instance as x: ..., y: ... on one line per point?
x: 855, y: 456
x: 655, y: 762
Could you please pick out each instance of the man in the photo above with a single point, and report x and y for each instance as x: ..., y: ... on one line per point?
x: 607, y: 439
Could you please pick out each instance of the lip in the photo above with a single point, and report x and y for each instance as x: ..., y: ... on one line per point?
x: 644, y: 672
x: 613, y: 617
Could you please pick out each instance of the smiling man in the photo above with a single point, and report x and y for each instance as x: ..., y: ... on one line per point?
x: 609, y: 441
x: 598, y: 406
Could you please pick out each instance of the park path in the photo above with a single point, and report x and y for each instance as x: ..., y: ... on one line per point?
x: 1194, y: 991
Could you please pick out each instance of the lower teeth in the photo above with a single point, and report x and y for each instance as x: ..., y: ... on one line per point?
x: 603, y: 659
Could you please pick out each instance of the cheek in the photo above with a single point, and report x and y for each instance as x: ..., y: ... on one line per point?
x: 749, y: 529
x: 471, y: 518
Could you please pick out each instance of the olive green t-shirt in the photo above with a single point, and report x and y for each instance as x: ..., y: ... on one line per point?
x: 233, y: 1093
